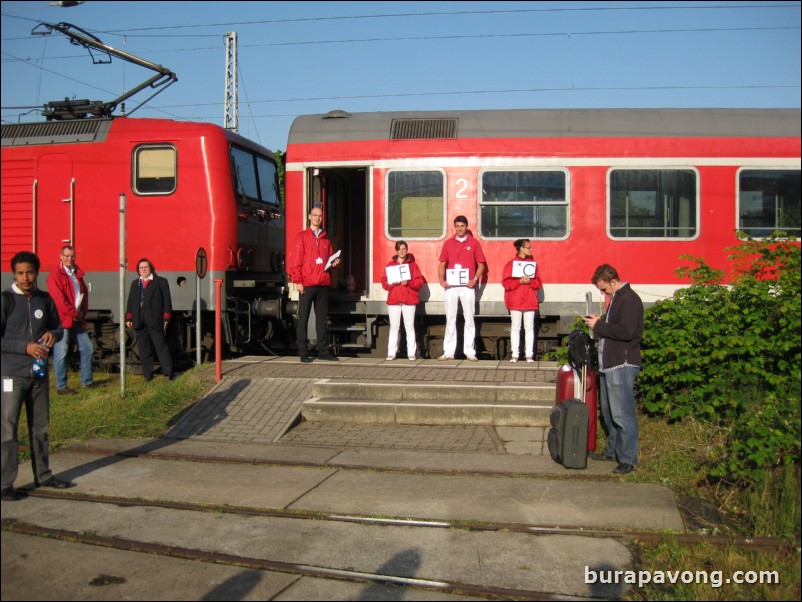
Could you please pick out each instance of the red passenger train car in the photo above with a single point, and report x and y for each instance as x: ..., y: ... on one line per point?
x: 188, y: 186
x: 633, y: 188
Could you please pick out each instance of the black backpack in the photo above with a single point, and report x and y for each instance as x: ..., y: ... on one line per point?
x: 8, y: 306
x: 582, y: 351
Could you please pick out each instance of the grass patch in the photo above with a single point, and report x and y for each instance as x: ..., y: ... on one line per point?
x: 148, y: 409
x: 779, y: 573
x: 679, y: 455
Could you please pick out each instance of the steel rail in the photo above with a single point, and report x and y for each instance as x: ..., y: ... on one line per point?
x: 646, y: 538
x: 464, y: 589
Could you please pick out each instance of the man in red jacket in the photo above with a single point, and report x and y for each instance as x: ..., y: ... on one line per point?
x: 308, y: 263
x: 69, y: 291
x: 463, y: 255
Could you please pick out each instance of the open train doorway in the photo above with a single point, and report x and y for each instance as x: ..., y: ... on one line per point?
x: 342, y: 194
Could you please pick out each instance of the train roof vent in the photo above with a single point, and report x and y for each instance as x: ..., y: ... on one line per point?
x: 55, y: 132
x: 423, y: 129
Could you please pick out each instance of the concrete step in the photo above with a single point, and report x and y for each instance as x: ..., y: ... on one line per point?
x: 435, y: 403
x: 388, y: 391
x: 443, y: 412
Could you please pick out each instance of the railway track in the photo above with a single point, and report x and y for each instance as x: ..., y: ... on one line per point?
x: 296, y: 520
x: 292, y: 568
x: 627, y: 536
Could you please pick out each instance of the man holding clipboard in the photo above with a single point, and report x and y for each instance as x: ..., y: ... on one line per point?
x: 462, y: 264
x: 309, y: 269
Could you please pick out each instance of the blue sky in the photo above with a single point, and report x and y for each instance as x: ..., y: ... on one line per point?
x: 311, y: 57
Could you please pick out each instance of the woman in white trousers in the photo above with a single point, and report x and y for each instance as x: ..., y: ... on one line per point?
x: 402, y: 279
x: 521, y: 281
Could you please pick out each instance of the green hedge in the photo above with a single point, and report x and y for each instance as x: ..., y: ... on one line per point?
x: 730, y: 355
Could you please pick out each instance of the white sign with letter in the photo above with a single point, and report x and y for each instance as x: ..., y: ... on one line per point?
x: 458, y: 277
x: 398, y: 273
x: 524, y: 268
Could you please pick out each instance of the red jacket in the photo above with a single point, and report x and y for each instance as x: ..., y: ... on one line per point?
x: 517, y: 296
x: 398, y: 293
x: 304, y: 265
x: 61, y: 288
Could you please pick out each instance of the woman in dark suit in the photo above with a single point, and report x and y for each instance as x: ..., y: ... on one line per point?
x: 149, y: 311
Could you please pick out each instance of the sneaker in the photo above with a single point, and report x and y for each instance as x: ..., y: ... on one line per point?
x: 513, y: 360
x: 9, y: 494
x: 601, y: 457
x: 445, y: 357
x: 390, y: 358
x: 411, y: 358
x: 55, y: 483
x: 529, y: 360
x: 623, y: 469
x: 65, y: 391
x: 473, y: 358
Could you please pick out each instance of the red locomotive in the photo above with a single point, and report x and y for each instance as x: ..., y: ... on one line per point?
x: 199, y: 201
x: 188, y: 186
x: 634, y: 188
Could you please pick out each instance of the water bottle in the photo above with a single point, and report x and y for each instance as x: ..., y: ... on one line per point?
x: 40, y: 364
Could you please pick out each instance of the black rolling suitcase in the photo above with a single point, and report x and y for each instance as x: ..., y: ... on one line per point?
x: 568, y: 435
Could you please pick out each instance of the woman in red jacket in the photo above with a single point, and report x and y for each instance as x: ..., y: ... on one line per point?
x: 402, y: 279
x: 521, y: 280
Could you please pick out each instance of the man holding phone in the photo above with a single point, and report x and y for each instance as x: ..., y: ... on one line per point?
x: 619, y: 333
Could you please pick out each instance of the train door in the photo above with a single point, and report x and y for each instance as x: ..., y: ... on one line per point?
x: 342, y: 194
x: 55, y: 211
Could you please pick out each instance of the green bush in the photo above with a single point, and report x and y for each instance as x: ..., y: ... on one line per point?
x: 730, y: 355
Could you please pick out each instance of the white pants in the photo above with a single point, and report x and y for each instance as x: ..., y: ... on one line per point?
x: 454, y: 296
x: 408, y: 312
x: 529, y: 330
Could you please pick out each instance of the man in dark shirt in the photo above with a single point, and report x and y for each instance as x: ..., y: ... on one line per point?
x: 30, y: 327
x: 619, y: 332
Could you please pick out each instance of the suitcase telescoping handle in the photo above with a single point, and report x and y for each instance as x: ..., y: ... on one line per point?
x: 589, y: 307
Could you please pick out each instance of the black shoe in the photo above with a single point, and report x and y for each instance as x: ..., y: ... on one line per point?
x: 329, y: 357
x: 601, y: 457
x: 9, y: 494
x: 305, y: 359
x: 55, y: 483
x: 623, y: 468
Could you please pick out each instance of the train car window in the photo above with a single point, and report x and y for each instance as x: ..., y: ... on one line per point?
x: 653, y: 203
x: 155, y: 169
x: 416, y: 202
x: 523, y: 204
x: 268, y: 181
x: 769, y: 201
x: 255, y: 177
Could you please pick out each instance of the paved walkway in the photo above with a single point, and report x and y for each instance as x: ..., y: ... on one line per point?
x: 227, y: 451
x: 259, y: 399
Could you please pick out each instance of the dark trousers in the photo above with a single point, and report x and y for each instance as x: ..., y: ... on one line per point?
x: 319, y: 296
x: 35, y: 395
x: 150, y: 339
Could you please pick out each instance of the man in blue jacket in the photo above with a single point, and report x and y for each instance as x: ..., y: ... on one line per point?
x: 30, y: 327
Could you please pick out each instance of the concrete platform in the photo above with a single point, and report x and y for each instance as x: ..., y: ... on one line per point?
x: 241, y: 445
